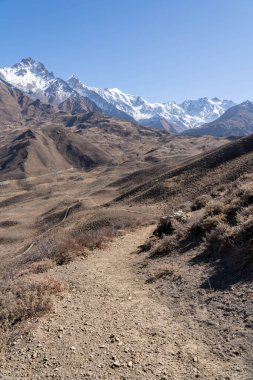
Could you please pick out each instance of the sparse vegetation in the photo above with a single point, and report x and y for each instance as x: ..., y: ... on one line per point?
x: 94, y: 233
x: 221, y: 233
x: 27, y: 297
x: 27, y: 291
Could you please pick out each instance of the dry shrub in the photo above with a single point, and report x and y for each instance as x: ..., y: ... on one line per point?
x: 234, y: 248
x: 58, y: 250
x: 92, y: 239
x: 200, y: 202
x: 165, y: 271
x: 206, y: 225
x: 164, y: 248
x: 214, y: 207
x: 247, y: 196
x: 35, y: 268
x: 219, y: 238
x: 244, y: 215
x: 164, y: 227
x: 27, y: 297
x: 171, y: 230
x: 243, y: 237
x: 68, y: 249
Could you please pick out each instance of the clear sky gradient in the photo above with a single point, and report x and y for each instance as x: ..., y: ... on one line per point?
x: 159, y: 49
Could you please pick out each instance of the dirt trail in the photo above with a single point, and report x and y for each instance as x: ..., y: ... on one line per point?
x: 112, y: 326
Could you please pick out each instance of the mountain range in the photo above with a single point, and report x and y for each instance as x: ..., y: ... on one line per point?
x: 236, y: 121
x: 36, y: 81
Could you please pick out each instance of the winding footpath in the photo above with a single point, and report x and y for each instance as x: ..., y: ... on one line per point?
x: 110, y: 326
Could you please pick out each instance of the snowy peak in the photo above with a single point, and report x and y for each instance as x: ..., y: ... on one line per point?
x: 189, y: 114
x: 29, y: 64
x: 205, y: 108
x: 33, y: 78
x: 73, y: 81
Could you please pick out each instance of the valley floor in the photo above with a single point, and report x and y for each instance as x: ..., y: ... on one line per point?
x: 112, y: 324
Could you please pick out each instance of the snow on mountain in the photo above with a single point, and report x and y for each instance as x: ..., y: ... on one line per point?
x: 189, y: 114
x: 35, y: 80
x: 206, y: 109
x: 107, y: 107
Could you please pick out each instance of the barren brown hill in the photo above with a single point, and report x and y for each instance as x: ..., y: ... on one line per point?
x: 18, y: 109
x: 78, y: 104
x: 30, y: 153
x: 87, y: 140
x: 162, y: 123
x: 36, y: 152
x: 220, y: 166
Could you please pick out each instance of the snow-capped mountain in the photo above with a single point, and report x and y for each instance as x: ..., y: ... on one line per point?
x: 35, y: 80
x: 189, y: 114
x: 236, y: 121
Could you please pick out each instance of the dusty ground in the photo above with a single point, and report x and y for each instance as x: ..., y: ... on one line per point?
x: 113, y: 325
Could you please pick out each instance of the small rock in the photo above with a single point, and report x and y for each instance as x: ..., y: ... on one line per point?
x: 116, y: 364
x: 73, y: 348
x: 60, y: 328
x: 195, y: 359
x: 130, y: 364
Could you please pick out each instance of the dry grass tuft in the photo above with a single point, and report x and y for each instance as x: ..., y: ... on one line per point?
x: 165, y: 247
x: 214, y: 207
x: 166, y: 271
x: 35, y: 268
x: 27, y: 297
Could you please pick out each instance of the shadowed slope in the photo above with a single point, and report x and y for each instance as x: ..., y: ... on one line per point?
x: 220, y: 166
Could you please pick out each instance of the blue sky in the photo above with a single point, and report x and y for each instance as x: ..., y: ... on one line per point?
x: 159, y: 49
